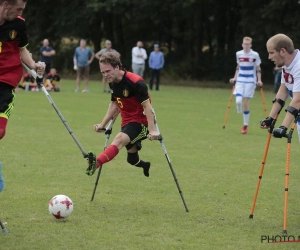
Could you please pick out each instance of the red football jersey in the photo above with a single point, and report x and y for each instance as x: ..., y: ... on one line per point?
x: 13, y: 36
x: 130, y: 93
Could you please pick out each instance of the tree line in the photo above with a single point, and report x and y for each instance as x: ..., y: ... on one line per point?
x: 198, y: 37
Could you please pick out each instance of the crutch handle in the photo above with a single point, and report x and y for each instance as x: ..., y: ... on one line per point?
x: 108, y: 131
x: 159, y: 137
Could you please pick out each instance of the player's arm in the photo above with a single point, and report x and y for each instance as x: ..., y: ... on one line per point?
x: 258, y: 73
x: 153, y: 134
x: 292, y: 110
x: 233, y: 80
x: 278, y: 104
x: 26, y: 58
x: 112, y: 112
x: 150, y: 118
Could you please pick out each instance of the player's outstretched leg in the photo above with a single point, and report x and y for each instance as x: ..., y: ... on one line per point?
x: 134, y: 159
x: 1, y: 178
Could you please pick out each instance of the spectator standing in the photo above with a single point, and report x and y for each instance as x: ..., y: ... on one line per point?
x: 83, y: 57
x: 139, y: 55
x: 46, y: 54
x: 156, y: 63
x: 107, y: 48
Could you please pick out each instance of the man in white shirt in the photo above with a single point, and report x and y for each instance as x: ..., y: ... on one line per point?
x: 283, y: 53
x: 139, y: 55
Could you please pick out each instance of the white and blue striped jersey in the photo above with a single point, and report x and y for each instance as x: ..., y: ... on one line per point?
x: 291, y: 75
x: 247, y: 66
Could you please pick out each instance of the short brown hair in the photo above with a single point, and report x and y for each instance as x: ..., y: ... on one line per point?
x: 111, y: 58
x: 281, y: 41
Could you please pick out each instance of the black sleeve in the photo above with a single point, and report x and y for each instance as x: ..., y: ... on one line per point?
x: 22, y: 33
x: 141, y: 91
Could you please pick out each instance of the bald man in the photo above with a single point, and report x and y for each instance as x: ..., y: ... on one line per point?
x: 46, y: 53
x: 282, y: 52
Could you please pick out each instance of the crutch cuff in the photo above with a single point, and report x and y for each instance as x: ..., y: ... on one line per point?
x: 281, y: 102
x: 292, y: 110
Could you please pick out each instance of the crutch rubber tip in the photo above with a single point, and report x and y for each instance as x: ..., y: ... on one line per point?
x: 251, y: 216
x: 223, y: 126
x: 284, y: 232
x: 4, y: 230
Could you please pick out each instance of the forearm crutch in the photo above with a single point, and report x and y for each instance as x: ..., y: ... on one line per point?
x: 287, y: 173
x: 4, y: 230
x: 228, y: 106
x: 263, y: 101
x: 108, y: 131
x: 169, y: 161
x: 39, y: 79
x: 263, y: 164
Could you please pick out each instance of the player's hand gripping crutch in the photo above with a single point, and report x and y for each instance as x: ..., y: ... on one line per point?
x: 228, y: 106
x: 91, y: 157
x: 4, y: 230
x: 107, y: 131
x: 263, y: 101
x: 169, y: 161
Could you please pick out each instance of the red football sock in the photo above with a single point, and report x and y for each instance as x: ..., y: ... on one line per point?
x: 3, y: 123
x: 107, y: 155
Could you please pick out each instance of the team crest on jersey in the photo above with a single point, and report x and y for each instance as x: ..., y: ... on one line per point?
x: 125, y: 92
x: 13, y: 34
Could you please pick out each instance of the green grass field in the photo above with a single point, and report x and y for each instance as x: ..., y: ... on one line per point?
x: 217, y: 170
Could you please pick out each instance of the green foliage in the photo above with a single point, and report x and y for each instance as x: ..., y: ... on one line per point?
x: 190, y: 29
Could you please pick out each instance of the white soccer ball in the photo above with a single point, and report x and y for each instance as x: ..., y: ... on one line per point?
x: 61, y: 206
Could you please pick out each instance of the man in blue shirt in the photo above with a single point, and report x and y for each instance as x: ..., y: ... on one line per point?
x: 46, y: 53
x: 156, y: 62
x: 83, y: 57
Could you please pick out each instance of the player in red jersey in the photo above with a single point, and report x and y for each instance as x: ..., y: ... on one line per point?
x: 13, y: 42
x: 129, y: 97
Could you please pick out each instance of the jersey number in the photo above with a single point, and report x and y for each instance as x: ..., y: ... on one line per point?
x: 119, y: 102
x: 0, y: 47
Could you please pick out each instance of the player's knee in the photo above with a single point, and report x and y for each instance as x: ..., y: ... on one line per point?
x: 238, y: 99
x: 133, y: 158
